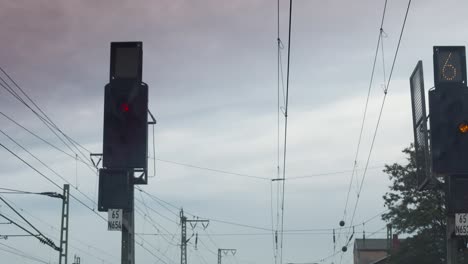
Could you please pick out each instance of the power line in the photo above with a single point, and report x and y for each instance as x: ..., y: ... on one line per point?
x: 214, y: 170
x: 286, y: 128
x: 340, y: 251
x: 380, y: 113
x: 51, y: 181
x: 72, y: 238
x: 50, y: 124
x: 47, y: 121
x: 41, y: 138
x: 365, y: 109
x: 381, y: 109
x: 22, y: 254
x: 48, y: 167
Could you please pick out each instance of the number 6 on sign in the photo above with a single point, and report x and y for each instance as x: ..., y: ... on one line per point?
x: 114, y: 220
x: 449, y: 66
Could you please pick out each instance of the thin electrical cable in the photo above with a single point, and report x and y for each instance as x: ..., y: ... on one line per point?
x: 272, y: 220
x: 152, y: 220
x: 214, y: 170
x: 48, y: 167
x: 199, y: 256
x: 286, y: 129
x: 340, y: 251
x: 327, y: 233
x: 278, y: 130
x: 22, y: 254
x: 207, y: 248
x: 44, y: 238
x: 329, y: 173
x: 38, y: 137
x: 158, y: 213
x: 154, y: 225
x: 101, y: 251
x: 48, y: 120
x: 150, y: 252
x: 159, y: 201
x: 365, y: 109
x: 381, y: 109
x: 156, y: 249
x: 49, y: 123
x: 208, y: 218
x: 51, y: 181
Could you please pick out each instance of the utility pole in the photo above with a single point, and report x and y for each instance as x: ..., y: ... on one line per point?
x: 128, y: 232
x: 184, y: 240
x: 389, y: 238
x: 77, y: 260
x: 183, y: 243
x: 225, y: 251
x: 63, y: 254
x: 451, y: 240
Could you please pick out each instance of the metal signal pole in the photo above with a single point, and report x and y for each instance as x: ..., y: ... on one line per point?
x: 128, y: 232
x: 451, y: 241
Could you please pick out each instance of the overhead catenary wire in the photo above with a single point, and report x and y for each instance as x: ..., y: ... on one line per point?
x: 280, y: 82
x: 43, y: 239
x: 51, y: 125
x: 178, y: 163
x: 214, y: 170
x: 50, y: 180
x: 381, y: 109
x: 286, y: 113
x: 42, y: 139
x: 44, y: 117
x: 73, y: 238
x: 365, y: 109
x: 47, y: 166
x: 337, y: 252
x: 22, y: 254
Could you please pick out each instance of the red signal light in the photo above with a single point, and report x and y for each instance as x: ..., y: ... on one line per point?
x: 124, y: 107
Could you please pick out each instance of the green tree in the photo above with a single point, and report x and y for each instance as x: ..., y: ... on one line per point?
x: 420, y: 214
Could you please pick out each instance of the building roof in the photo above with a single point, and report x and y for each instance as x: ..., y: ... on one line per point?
x: 380, y: 261
x: 374, y: 244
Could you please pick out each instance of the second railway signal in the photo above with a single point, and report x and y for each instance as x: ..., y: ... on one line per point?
x: 449, y: 130
x: 448, y: 110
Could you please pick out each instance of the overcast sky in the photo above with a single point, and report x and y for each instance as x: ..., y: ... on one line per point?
x: 211, y: 67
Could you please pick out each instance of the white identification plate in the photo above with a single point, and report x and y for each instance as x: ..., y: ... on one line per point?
x: 114, y: 222
x: 461, y: 224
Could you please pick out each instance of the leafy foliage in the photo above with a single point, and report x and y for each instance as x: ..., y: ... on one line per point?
x: 420, y: 214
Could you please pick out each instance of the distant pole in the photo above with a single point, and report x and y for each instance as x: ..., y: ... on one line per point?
x: 128, y: 232
x: 225, y: 251
x: 63, y: 254
x: 389, y: 239
x: 183, y: 239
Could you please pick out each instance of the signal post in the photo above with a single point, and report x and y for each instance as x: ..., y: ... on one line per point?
x: 448, y: 110
x: 125, y: 141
